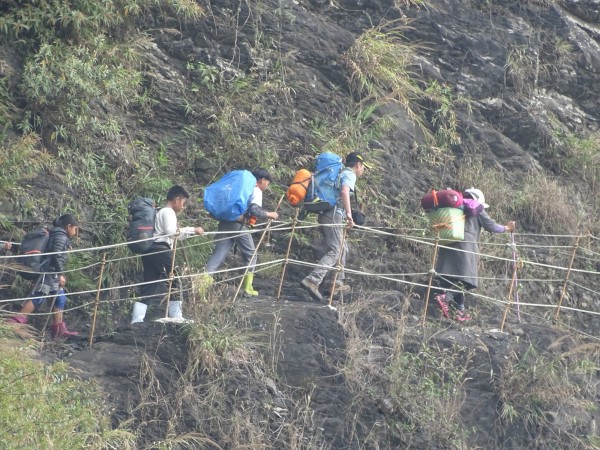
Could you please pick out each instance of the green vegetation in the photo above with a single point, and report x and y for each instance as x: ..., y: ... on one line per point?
x: 536, y: 390
x: 41, y: 406
x: 382, y: 68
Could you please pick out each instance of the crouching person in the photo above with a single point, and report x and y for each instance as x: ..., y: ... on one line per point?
x: 157, y: 261
x: 51, y: 284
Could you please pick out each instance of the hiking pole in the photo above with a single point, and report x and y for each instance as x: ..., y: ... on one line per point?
x: 431, y: 274
x: 564, y: 287
x: 262, y: 237
x: 171, y: 273
x: 97, y: 301
x: 339, y: 265
x: 287, y: 253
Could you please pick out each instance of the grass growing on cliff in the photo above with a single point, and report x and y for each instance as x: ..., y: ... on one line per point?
x: 19, y: 162
x: 415, y: 383
x: 41, y: 406
x: 538, y: 390
x: 226, y: 390
x: 381, y: 63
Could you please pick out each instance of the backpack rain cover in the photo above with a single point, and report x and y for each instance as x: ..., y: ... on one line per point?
x: 227, y: 199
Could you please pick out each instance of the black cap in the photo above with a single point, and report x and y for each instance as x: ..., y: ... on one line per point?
x: 355, y: 157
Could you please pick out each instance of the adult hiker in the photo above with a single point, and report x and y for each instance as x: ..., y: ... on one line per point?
x: 338, y: 215
x: 50, y: 284
x: 456, y: 266
x: 226, y: 235
x: 158, y: 260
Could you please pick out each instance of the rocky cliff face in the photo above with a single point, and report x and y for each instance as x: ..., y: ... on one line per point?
x: 511, y: 85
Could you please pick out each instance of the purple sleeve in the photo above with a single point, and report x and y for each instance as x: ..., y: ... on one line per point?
x: 489, y: 224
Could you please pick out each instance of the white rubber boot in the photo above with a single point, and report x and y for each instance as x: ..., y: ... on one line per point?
x: 176, y: 313
x: 175, y: 310
x: 139, y: 312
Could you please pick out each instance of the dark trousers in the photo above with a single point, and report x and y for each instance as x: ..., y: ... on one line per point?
x: 455, y: 284
x: 156, y: 267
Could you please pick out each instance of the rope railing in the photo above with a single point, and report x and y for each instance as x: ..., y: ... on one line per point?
x: 399, y: 278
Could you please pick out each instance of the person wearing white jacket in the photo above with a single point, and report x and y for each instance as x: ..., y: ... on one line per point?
x: 158, y: 260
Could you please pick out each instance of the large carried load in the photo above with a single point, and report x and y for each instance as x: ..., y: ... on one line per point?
x: 227, y: 199
x: 140, y: 229
x: 446, y: 215
x: 319, y: 190
x: 33, y: 245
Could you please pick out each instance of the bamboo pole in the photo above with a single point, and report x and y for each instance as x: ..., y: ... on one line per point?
x: 171, y: 273
x: 50, y: 314
x: 510, y: 291
x: 564, y: 287
x: 287, y: 253
x: 262, y: 237
x: 97, y: 301
x: 339, y: 265
x: 431, y: 275
x: 514, y: 286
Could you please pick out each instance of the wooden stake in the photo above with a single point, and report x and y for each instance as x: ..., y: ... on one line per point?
x: 431, y: 275
x: 510, y: 291
x: 97, y: 302
x: 287, y: 253
x: 339, y: 265
x: 564, y: 287
x: 171, y: 274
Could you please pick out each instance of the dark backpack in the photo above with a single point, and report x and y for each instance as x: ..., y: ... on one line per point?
x: 142, y: 214
x: 34, y: 245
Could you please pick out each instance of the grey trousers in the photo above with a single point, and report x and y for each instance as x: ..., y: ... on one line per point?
x: 224, y: 242
x: 333, y: 245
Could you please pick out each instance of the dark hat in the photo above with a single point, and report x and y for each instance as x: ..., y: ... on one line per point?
x: 355, y: 157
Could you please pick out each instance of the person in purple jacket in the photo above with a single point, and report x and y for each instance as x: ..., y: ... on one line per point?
x: 456, y: 266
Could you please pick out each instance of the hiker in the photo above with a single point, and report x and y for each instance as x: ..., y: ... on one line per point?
x: 342, y: 211
x: 6, y: 246
x: 456, y: 265
x: 50, y: 283
x: 158, y: 260
x: 243, y: 241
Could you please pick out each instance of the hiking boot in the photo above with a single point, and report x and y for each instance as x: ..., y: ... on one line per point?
x: 443, y: 304
x: 312, y: 288
x: 339, y: 288
x: 462, y: 316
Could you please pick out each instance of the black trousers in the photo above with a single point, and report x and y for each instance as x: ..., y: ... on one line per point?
x: 455, y: 283
x: 157, y: 265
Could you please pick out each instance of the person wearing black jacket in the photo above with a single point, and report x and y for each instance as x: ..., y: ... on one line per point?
x: 48, y: 284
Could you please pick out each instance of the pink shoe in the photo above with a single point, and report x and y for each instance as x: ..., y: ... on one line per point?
x: 18, y: 319
x: 441, y: 299
x: 462, y: 316
x: 60, y: 330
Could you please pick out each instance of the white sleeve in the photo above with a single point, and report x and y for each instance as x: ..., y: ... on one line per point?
x: 186, y: 232
x: 257, y: 197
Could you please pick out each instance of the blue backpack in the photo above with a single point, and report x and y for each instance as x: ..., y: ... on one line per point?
x: 227, y: 199
x: 324, y: 189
